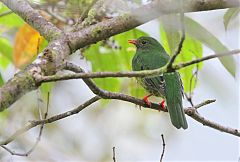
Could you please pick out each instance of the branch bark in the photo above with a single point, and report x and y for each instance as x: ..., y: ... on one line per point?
x: 70, y: 113
x: 49, y: 120
x: 143, y: 73
x: 192, y: 112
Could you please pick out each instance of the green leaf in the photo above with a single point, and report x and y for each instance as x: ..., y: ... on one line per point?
x: 4, y: 116
x: 135, y: 89
x: 229, y: 15
x: 104, y: 61
x: 43, y: 45
x: 128, y: 51
x: 7, y: 50
x: 1, y: 80
x: 4, y: 62
x: 198, y: 32
x: 5, y: 53
x: 46, y: 88
x: 10, y: 20
x: 191, y: 49
x: 105, y: 58
x: 170, y: 33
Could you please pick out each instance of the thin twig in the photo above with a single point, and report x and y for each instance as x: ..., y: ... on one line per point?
x: 180, y: 46
x: 37, y: 140
x: 114, y: 155
x: 41, y: 128
x: 84, y: 15
x: 6, y: 13
x: 190, y: 95
x: 13, y: 152
x: 49, y: 120
x: 164, y: 145
x: 86, y: 11
x: 39, y: 100
x: 56, y: 16
x: 222, y: 54
x: 110, y: 95
x: 75, y: 111
x: 192, y: 112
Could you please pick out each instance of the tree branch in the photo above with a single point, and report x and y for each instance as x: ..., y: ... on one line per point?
x: 164, y: 145
x: 86, y: 11
x: 111, y: 95
x: 192, y: 112
x: 144, y: 73
x: 222, y: 54
x: 114, y: 154
x: 49, y: 120
x: 37, y: 140
x: 73, y: 112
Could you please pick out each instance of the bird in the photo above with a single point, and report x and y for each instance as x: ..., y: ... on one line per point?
x: 150, y: 55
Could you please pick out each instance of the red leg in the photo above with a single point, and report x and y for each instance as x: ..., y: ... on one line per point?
x: 145, y: 99
x: 162, y: 104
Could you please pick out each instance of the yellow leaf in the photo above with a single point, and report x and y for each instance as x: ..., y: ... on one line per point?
x: 26, y: 45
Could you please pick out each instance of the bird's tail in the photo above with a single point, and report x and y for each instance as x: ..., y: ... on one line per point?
x: 173, y: 94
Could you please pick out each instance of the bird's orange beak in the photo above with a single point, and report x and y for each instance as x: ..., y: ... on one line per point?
x: 133, y: 41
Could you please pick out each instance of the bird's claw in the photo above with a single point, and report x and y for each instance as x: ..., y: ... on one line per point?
x: 147, y: 102
x: 162, y: 105
x: 145, y: 99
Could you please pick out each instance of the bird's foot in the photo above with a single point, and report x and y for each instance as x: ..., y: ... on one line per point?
x: 145, y: 99
x: 162, y: 105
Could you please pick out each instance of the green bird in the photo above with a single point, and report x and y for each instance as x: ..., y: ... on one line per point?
x: 151, y: 55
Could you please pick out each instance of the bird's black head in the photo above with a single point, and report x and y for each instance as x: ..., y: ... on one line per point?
x: 145, y: 43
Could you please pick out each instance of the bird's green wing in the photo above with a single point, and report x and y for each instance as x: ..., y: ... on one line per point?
x: 174, y: 94
x: 154, y: 85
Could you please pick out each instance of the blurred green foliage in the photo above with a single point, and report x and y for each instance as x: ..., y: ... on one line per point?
x: 114, y: 57
x: 200, y: 33
x: 9, y: 21
x: 1, y: 80
x: 5, y: 55
x: 191, y: 49
x: 230, y: 14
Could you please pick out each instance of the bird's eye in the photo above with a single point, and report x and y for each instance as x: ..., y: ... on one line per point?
x: 144, y: 42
